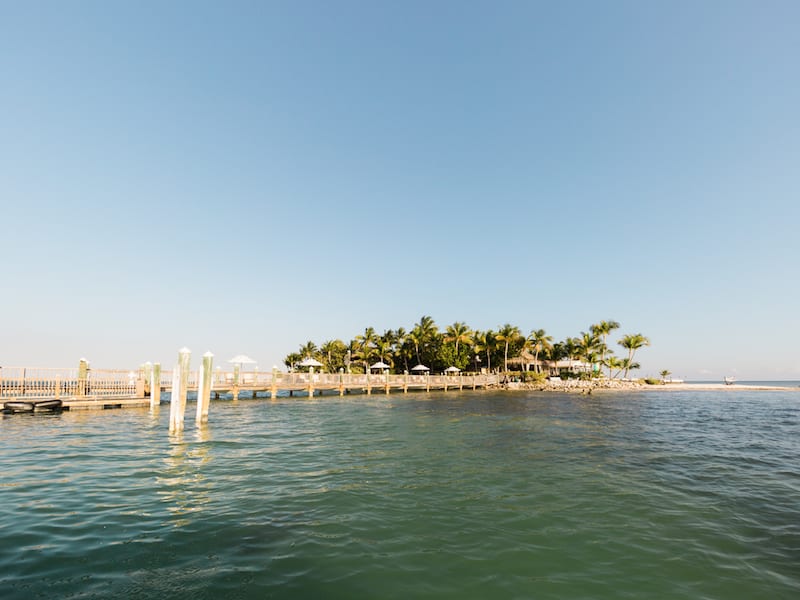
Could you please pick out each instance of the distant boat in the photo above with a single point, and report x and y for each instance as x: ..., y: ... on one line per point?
x: 729, y: 380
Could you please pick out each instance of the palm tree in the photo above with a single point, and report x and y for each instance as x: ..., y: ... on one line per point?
x: 423, y: 334
x: 365, y: 346
x: 508, y: 334
x: 613, y: 362
x: 539, y: 342
x: 602, y: 329
x: 331, y: 349
x: 555, y: 353
x: 292, y: 359
x: 400, y: 337
x: 384, y: 349
x: 309, y: 350
x: 415, y: 339
x: 632, y: 342
x: 485, y: 341
x: 664, y: 374
x: 589, y: 346
x: 458, y: 332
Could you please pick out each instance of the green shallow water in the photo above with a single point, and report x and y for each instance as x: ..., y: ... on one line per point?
x: 459, y: 495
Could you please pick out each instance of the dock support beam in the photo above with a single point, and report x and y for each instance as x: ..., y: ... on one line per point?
x: 273, y: 389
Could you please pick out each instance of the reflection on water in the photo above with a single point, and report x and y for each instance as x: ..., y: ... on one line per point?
x: 183, y: 485
x: 469, y: 495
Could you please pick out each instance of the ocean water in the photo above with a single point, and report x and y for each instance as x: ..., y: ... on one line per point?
x: 653, y: 494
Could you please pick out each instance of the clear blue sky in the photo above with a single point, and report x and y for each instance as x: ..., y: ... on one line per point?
x: 242, y: 177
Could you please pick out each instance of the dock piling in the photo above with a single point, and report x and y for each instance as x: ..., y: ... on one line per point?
x: 155, y: 386
x: 83, y: 377
x: 180, y: 386
x: 204, y: 388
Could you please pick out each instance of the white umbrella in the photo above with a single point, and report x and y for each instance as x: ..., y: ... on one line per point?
x: 380, y: 365
x: 452, y: 370
x: 309, y: 362
x: 242, y: 359
x: 420, y: 368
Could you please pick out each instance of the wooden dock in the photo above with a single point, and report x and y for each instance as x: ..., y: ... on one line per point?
x: 85, y: 388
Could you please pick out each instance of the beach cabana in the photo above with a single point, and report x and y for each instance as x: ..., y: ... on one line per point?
x: 379, y: 366
x: 452, y: 370
x: 419, y: 369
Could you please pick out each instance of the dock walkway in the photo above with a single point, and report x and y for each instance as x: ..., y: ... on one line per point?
x: 89, y: 388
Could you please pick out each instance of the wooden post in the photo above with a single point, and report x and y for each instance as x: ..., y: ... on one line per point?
x: 174, y: 401
x: 310, y: 382
x: 386, y: 375
x: 460, y: 382
x: 58, y: 388
x: 341, y: 381
x: 405, y: 382
x: 445, y: 382
x: 235, y: 391
x: 155, y: 385
x: 273, y: 389
x: 180, y: 385
x: 204, y: 389
x: 148, y: 370
x: 428, y: 381
x: 369, y: 389
x: 83, y: 376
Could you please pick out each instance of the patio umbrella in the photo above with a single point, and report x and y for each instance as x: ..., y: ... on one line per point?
x: 420, y: 368
x: 452, y: 370
x: 380, y: 365
x: 309, y: 362
x: 242, y: 359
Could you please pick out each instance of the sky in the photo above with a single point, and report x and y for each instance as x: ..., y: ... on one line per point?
x: 242, y: 177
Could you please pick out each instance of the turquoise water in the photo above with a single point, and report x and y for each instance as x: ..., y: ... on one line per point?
x: 654, y: 494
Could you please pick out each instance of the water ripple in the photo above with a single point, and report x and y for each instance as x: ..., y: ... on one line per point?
x: 468, y: 495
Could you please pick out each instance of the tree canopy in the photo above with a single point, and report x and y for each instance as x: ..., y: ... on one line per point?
x: 470, y: 349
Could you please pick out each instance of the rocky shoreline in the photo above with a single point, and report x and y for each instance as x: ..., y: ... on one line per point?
x: 590, y: 386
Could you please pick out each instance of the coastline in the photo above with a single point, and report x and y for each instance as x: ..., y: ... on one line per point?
x: 588, y: 387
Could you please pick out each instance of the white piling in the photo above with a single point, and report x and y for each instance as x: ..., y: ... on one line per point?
x: 174, y: 402
x: 155, y: 386
x: 180, y: 387
x: 204, y: 389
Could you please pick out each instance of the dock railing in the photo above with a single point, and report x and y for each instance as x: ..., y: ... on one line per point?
x: 42, y: 382
x: 89, y: 383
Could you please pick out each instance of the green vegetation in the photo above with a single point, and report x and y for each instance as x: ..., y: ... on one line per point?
x: 536, y: 356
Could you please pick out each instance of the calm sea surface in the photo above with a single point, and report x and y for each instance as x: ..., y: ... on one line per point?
x: 655, y: 494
